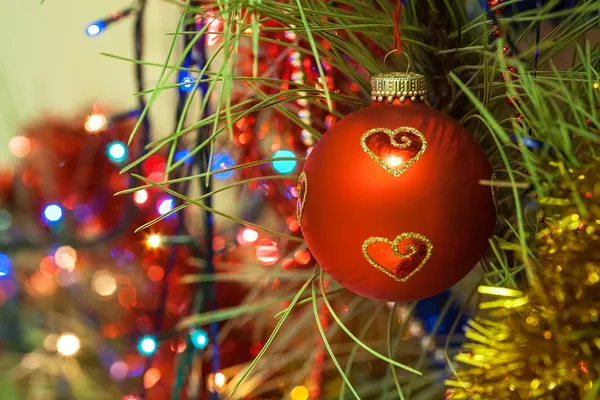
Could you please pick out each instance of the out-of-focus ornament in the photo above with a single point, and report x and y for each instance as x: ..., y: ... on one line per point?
x: 390, y: 202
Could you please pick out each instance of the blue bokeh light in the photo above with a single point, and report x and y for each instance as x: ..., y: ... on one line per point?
x: 222, y: 161
x: 53, y: 213
x: 187, y: 83
x: 5, y: 265
x: 165, y: 205
x: 117, y: 152
x: 284, y: 166
x: 181, y: 155
x: 199, y: 339
x: 95, y: 28
x: 147, y: 345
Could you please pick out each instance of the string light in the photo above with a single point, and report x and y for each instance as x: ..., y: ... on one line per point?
x: 104, y: 283
x: 19, y: 146
x: 165, y: 205
x: 186, y: 84
x: 68, y: 344
x: 147, y: 345
x: 96, y: 28
x: 284, y: 166
x: 222, y: 161
x: 199, y: 339
x: 219, y: 379
x: 95, y: 123
x: 299, y: 393
x: 216, y: 382
x: 141, y: 196
x: 65, y: 257
x: 250, y: 235
x: 119, y: 370
x: 154, y: 241
x: 151, y: 377
x: 5, y: 265
x: 53, y: 213
x: 117, y: 152
x: 183, y: 155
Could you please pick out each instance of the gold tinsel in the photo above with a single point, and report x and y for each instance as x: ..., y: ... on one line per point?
x: 544, y: 342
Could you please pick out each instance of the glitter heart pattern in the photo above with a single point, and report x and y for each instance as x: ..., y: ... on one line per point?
x: 395, y: 150
x: 400, y: 258
x: 302, y: 189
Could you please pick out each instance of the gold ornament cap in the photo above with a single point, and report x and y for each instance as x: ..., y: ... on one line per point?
x: 400, y: 85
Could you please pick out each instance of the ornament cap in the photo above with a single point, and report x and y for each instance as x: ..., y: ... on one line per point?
x: 400, y: 85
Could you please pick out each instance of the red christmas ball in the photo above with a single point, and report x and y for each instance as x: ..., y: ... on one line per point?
x: 390, y: 201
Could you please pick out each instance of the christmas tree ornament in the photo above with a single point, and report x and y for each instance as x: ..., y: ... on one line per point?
x: 543, y: 342
x: 390, y: 201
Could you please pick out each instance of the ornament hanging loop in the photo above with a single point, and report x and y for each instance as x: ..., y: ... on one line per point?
x: 395, y: 51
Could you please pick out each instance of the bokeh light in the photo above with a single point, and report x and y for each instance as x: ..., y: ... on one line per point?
x: 68, y: 344
x: 216, y: 382
x: 119, y: 370
x: 141, y: 196
x: 155, y: 273
x: 284, y: 166
x: 65, y: 257
x: 154, y: 241
x: 151, y: 377
x: 249, y: 235
x: 95, y: 28
x: 104, y: 283
x: 117, y: 152
x: 299, y: 393
x: 128, y: 297
x: 165, y: 205
x: 147, y: 345
x: 5, y: 265
x: 51, y: 341
x: 267, y: 251
x: 187, y: 83
x: 19, y: 146
x: 302, y: 257
x: 199, y: 338
x: 222, y: 161
x: 53, y: 213
x: 42, y: 285
x: 95, y: 123
x: 183, y: 155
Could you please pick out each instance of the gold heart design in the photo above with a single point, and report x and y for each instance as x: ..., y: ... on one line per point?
x: 399, y: 264
x: 394, y: 149
x: 302, y: 189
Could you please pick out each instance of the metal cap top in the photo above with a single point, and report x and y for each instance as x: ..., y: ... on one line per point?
x: 399, y: 85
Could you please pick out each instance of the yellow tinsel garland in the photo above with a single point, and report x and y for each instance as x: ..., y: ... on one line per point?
x: 544, y: 342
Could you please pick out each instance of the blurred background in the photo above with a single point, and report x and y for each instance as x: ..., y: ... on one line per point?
x: 50, y: 65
